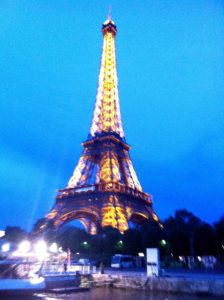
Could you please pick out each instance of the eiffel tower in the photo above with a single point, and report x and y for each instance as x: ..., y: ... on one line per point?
x: 104, y: 189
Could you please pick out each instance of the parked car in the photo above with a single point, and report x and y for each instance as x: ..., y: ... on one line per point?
x: 122, y: 261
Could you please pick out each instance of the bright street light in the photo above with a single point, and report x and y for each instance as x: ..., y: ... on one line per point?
x: 5, y: 247
x: 53, y: 248
x: 41, y: 249
x: 24, y: 247
x: 2, y: 233
x: 163, y: 242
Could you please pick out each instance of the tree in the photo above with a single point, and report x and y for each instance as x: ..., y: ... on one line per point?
x: 110, y: 237
x: 180, y: 232
x: 73, y: 238
x: 132, y: 241
x: 204, y: 240
x: 45, y: 229
x: 152, y: 234
x: 15, y: 234
x: 219, y: 233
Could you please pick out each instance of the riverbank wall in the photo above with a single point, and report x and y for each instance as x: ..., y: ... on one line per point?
x: 161, y: 284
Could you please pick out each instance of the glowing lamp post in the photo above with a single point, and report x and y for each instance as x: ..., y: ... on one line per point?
x: 53, y: 248
x: 41, y: 250
x: 5, y: 247
x: 69, y: 259
x: 163, y: 243
x: 24, y: 247
x: 2, y: 233
x: 120, y: 245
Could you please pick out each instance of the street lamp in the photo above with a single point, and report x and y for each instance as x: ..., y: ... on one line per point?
x: 5, y: 247
x: 2, y: 233
x: 41, y: 249
x: 119, y: 245
x: 24, y: 247
x: 163, y: 243
x: 53, y: 248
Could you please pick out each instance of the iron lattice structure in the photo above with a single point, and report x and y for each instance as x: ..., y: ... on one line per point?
x: 104, y: 189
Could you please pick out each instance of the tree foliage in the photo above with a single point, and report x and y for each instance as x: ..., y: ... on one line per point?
x: 15, y: 234
x: 182, y: 234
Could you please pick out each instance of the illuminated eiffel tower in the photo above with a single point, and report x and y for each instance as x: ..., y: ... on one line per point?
x: 104, y: 189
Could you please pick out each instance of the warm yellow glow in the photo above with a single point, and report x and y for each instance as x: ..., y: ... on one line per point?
x: 109, y: 216
x: 107, y: 116
x: 105, y: 170
x: 104, y: 182
x: 155, y: 218
x: 113, y: 215
x: 52, y: 214
x: 121, y: 219
x: 109, y: 167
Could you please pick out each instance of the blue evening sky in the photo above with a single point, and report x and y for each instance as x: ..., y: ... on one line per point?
x: 170, y: 58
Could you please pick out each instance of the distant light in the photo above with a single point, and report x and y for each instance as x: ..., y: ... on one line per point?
x: 5, y: 247
x: 163, y: 242
x: 199, y: 258
x: 181, y: 258
x: 121, y: 242
x: 77, y: 253
x: 53, y: 248
x: 41, y: 249
x: 24, y: 247
x: 40, y: 246
x: 37, y: 280
x: 2, y: 233
x: 141, y: 254
x: 85, y: 243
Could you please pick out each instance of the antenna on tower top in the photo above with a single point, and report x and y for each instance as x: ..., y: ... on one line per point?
x: 109, y: 13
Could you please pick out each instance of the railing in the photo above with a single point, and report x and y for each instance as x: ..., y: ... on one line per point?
x: 105, y: 187
x: 57, y: 269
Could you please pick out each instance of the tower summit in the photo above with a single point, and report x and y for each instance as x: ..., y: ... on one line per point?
x: 104, y: 189
x: 107, y: 116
